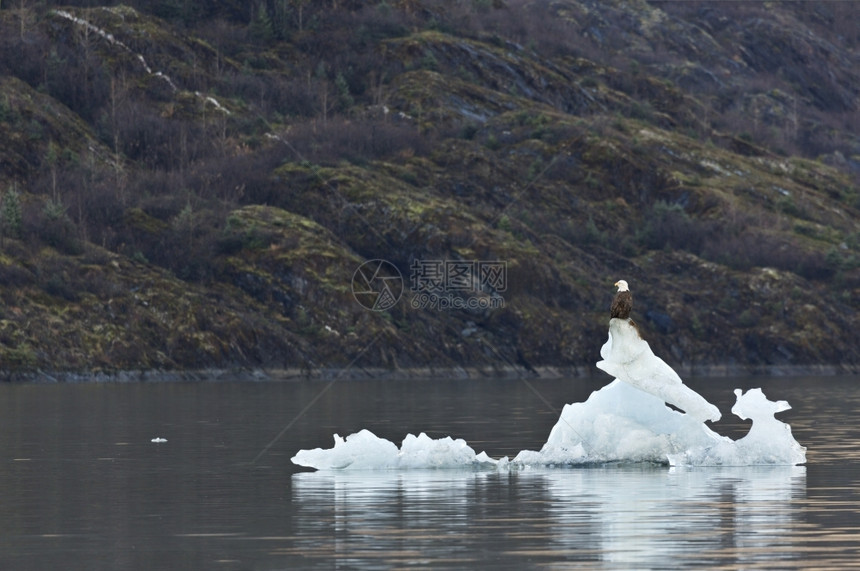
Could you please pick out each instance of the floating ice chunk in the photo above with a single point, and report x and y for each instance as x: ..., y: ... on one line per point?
x: 628, y: 357
x: 619, y: 423
x: 769, y: 440
x: 366, y: 451
x: 625, y: 421
x: 159, y: 440
x: 424, y: 452
x: 362, y: 450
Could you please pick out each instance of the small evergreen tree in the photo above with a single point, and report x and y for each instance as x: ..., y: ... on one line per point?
x: 10, y: 214
x: 344, y: 96
x: 261, y: 28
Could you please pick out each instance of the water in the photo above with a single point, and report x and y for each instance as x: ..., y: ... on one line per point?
x: 83, y: 487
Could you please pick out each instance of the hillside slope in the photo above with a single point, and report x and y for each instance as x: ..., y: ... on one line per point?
x: 199, y: 187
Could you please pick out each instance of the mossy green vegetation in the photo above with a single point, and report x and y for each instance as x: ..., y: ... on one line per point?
x: 197, y: 187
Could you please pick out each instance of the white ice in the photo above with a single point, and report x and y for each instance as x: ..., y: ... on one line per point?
x: 625, y: 421
x: 626, y: 356
x: 365, y: 450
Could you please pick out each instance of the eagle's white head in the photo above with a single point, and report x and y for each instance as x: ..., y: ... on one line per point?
x: 622, y: 285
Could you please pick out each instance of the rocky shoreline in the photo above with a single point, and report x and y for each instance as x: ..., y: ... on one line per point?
x: 409, y: 374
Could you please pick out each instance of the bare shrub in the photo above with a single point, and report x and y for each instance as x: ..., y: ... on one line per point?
x: 14, y: 275
x: 757, y: 248
x: 354, y: 140
x: 669, y: 226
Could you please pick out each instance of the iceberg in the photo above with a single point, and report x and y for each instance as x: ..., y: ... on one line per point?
x: 626, y: 421
x: 365, y: 450
x: 628, y: 357
x: 619, y: 423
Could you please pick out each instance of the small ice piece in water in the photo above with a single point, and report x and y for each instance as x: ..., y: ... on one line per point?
x: 159, y: 440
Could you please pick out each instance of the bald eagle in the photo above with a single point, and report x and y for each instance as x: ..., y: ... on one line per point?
x: 623, y: 302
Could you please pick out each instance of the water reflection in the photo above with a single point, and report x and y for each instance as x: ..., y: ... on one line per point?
x: 83, y: 487
x: 647, y: 517
x: 622, y: 517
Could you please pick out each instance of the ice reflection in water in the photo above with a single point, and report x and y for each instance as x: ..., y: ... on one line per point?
x: 648, y: 517
x: 617, y: 517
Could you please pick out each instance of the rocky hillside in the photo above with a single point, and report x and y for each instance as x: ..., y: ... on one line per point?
x: 427, y: 184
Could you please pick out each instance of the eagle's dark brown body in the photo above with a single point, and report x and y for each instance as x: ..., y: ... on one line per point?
x: 621, y: 305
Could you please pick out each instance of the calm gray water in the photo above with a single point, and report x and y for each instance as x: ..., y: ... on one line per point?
x: 83, y: 487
